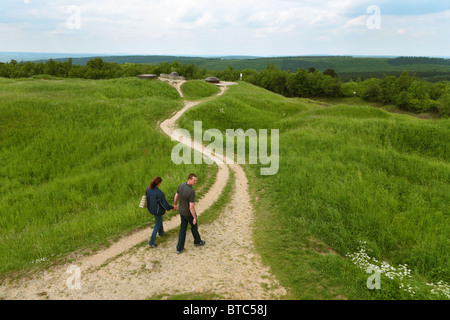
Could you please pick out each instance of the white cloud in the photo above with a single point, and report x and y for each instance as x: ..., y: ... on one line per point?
x: 265, y: 27
x: 356, y: 22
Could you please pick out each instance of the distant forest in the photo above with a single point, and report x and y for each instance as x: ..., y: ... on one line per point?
x: 413, y: 84
x: 349, y: 68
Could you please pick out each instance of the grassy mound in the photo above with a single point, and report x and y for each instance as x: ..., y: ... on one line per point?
x: 198, y: 89
x: 76, y: 157
x: 349, y: 176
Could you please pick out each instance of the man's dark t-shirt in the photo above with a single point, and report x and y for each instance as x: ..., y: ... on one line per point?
x: 186, y: 194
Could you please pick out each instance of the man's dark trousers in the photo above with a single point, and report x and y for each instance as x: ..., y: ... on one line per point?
x: 183, y: 227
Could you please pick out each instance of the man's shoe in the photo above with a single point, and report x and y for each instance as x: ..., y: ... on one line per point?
x: 152, y: 245
x: 179, y: 251
x: 201, y: 243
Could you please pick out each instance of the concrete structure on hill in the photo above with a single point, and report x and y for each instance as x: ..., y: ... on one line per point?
x: 146, y: 76
x: 212, y: 80
x: 172, y: 76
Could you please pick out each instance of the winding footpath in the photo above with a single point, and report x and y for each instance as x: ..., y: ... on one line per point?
x: 228, y: 266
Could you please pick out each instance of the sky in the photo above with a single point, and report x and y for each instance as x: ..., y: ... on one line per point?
x: 227, y: 27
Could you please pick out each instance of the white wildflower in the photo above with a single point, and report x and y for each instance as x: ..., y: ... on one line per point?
x: 440, y: 288
x: 364, y: 261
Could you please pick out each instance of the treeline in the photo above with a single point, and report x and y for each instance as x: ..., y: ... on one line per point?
x: 430, y: 76
x: 418, y: 60
x: 95, y: 68
x: 408, y: 92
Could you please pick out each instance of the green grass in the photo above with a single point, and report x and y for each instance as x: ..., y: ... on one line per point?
x: 239, y: 109
x: 357, y: 101
x: 76, y: 157
x: 347, y: 174
x: 198, y: 89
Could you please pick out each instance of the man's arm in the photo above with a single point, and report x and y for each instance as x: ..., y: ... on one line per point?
x: 175, y: 201
x: 194, y: 214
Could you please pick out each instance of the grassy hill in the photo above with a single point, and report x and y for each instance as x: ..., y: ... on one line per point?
x: 76, y: 156
x: 355, y: 184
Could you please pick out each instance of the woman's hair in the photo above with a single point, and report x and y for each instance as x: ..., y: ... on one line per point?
x: 155, y: 182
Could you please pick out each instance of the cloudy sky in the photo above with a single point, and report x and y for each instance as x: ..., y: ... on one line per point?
x: 227, y: 27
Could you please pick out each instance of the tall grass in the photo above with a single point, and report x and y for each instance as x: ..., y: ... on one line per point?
x: 198, y: 89
x: 347, y: 174
x: 76, y: 157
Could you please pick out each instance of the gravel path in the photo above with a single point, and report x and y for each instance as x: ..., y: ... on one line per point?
x: 227, y: 266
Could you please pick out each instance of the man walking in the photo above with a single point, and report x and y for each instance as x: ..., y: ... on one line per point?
x: 186, y: 195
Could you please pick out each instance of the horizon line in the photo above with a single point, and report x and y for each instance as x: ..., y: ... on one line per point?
x: 10, y: 55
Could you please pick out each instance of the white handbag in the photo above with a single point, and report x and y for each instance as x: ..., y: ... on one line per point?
x: 143, y: 203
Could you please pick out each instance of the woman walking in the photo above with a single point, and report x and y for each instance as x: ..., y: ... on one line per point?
x: 157, y: 205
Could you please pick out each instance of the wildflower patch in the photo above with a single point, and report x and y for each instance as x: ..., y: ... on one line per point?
x: 381, y: 272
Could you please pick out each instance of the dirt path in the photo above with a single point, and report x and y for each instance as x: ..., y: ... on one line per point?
x: 227, y: 265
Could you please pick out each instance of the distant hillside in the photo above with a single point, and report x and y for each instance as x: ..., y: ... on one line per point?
x: 34, y: 56
x: 156, y: 59
x: 348, y: 67
x: 132, y: 59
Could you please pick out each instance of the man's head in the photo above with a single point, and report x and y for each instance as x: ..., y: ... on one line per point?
x: 192, y: 179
